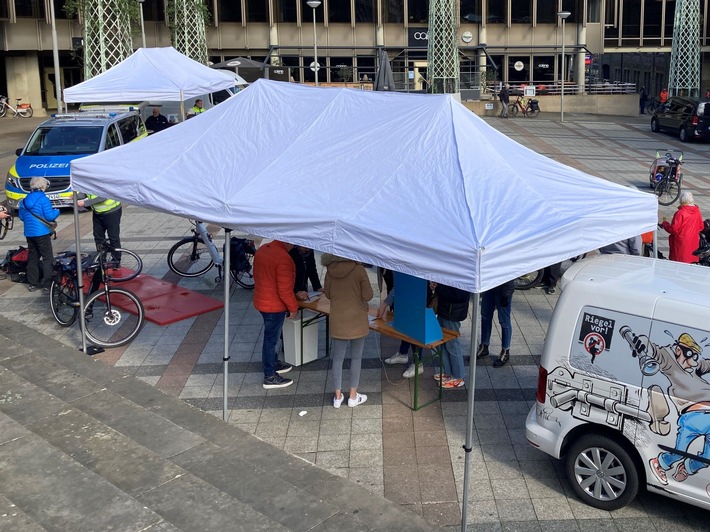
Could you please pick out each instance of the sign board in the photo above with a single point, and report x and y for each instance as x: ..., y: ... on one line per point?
x: 518, y: 66
x: 529, y: 90
x: 418, y: 37
x: 489, y: 106
x: 315, y: 66
x: 467, y: 37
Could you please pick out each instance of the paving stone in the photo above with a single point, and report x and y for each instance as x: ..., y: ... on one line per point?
x: 12, y: 519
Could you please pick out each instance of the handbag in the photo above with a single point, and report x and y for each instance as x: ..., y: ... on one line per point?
x: 52, y: 226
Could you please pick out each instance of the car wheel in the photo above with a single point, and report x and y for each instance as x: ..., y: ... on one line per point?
x: 654, y: 125
x: 683, y: 134
x: 601, y: 472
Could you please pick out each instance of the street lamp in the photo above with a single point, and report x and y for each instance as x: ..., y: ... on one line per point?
x: 140, y: 3
x: 563, y: 15
x: 314, y: 4
x: 55, y: 58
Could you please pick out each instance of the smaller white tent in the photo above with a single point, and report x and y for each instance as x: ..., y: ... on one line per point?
x: 152, y: 74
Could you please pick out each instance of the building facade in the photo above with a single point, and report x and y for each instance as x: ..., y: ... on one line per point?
x: 519, y: 41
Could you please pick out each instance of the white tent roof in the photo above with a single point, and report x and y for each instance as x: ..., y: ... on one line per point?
x: 417, y: 183
x: 151, y: 74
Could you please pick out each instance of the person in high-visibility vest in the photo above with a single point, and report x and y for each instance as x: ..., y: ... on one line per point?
x: 106, y: 218
x: 197, y: 108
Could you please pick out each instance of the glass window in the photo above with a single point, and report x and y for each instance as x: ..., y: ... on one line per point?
x: 4, y: 12
x: 497, y: 12
x: 575, y: 9
x: 230, y: 11
x: 393, y: 11
x: 291, y: 61
x: 257, y: 10
x: 631, y: 25
x: 338, y: 11
x: 154, y: 10
x: 365, y: 67
x: 515, y: 75
x: 286, y: 10
x: 307, y: 13
x: 471, y: 11
x: 341, y: 69
x: 308, y: 75
x: 365, y: 10
x: 129, y: 128
x: 113, y: 139
x: 652, y: 15
x: 29, y: 8
x: 594, y: 8
x: 546, y: 11
x: 670, y: 14
x: 543, y: 69
x: 521, y: 11
x: 418, y: 11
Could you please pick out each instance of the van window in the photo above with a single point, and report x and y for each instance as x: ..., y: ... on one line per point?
x: 113, y: 138
x: 129, y: 128
x: 701, y: 108
x: 64, y: 141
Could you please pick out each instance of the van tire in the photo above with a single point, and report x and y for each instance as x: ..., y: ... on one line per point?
x: 595, y: 457
x: 683, y: 134
x: 654, y: 125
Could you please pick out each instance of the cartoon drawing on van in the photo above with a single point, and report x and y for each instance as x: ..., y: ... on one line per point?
x: 681, y: 364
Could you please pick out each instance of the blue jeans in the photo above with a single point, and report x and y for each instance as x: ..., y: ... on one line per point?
x: 452, y: 356
x: 691, y: 425
x: 490, y: 304
x: 273, y: 323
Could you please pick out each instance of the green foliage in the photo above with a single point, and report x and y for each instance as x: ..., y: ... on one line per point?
x: 75, y: 8
x: 200, y: 8
x: 345, y: 73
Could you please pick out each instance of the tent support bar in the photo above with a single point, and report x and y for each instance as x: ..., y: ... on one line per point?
x: 469, y: 416
x: 226, y: 275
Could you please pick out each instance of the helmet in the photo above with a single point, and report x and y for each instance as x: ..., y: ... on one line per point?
x: 658, y: 176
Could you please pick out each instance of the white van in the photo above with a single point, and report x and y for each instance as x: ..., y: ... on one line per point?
x: 623, y: 390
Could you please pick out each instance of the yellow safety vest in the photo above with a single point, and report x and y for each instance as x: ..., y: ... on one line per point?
x: 104, y: 206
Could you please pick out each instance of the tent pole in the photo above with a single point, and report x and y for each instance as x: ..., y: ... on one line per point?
x: 226, y: 275
x: 655, y: 243
x: 182, y: 108
x: 79, y: 273
x: 469, y: 417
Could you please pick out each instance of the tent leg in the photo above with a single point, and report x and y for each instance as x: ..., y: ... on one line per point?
x: 655, y: 243
x: 225, y: 357
x: 79, y: 273
x: 469, y: 416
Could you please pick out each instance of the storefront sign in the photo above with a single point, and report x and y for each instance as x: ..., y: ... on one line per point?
x: 418, y: 37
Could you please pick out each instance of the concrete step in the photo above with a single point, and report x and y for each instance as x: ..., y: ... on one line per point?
x: 84, y: 447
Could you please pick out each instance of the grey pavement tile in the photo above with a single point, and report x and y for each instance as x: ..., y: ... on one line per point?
x: 298, y: 427
x: 511, y: 488
x: 13, y: 519
x: 23, y: 401
x: 596, y: 525
x: 584, y: 511
x: 515, y: 510
x: 359, y: 442
x: 521, y: 526
x: 366, y: 458
x: 568, y: 525
x: 552, y: 509
x: 333, y: 459
x: 481, y: 512
x: 333, y: 442
x: 10, y: 429
x: 366, y: 476
x: 628, y: 524
x: 366, y: 425
x: 335, y: 426
x: 301, y: 444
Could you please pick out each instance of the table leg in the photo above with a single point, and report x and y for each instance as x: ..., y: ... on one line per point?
x: 417, y: 362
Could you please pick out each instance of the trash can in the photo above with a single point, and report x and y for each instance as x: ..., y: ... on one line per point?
x: 301, y: 343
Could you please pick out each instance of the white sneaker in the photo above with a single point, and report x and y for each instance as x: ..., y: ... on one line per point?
x: 359, y: 399
x: 337, y: 402
x: 397, y: 358
x: 409, y: 372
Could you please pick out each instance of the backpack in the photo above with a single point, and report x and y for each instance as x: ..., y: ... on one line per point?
x: 238, y: 250
x: 15, y: 264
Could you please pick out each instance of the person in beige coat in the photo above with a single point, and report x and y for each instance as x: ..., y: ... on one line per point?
x: 349, y: 289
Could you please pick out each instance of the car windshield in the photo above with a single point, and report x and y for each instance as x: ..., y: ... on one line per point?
x: 65, y: 140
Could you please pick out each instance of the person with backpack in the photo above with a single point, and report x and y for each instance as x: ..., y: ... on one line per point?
x: 451, y: 310
x: 38, y: 216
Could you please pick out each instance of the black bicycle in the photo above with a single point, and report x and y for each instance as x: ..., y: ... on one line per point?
x: 113, y: 315
x: 665, y: 176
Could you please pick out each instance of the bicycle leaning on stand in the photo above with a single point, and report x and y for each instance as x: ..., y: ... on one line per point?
x: 113, y: 316
x: 665, y: 176
x: 23, y: 110
x: 195, y: 255
x: 528, y: 106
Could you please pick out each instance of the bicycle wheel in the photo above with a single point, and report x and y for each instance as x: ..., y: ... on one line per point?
x: 512, y: 109
x: 113, y: 317
x: 667, y: 191
x: 26, y: 112
x: 532, y: 113
x: 64, y: 300
x: 529, y: 280
x: 3, y: 111
x: 190, y: 257
x: 245, y: 278
x: 122, y: 265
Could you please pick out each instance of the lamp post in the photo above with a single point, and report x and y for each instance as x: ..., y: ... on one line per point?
x: 55, y: 58
x: 563, y: 15
x: 140, y: 3
x: 315, y: 4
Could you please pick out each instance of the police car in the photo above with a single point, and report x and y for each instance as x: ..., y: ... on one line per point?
x: 61, y: 139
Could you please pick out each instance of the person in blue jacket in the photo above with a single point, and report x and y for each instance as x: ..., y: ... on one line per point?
x: 35, y: 211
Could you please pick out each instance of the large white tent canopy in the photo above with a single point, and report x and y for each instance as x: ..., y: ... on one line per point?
x: 162, y: 74
x: 415, y: 183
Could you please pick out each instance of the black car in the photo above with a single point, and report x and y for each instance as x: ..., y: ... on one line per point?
x: 688, y: 117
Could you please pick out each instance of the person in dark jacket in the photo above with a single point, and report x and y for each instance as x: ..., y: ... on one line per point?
x: 156, y: 122
x: 451, y: 309
x: 643, y: 98
x: 306, y: 269
x: 498, y: 299
x: 504, y: 97
x: 36, y: 205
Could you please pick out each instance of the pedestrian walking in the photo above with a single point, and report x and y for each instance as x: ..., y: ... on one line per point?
x: 504, y: 97
x: 643, y: 98
x: 500, y: 300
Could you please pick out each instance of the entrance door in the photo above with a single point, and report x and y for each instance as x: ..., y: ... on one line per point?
x: 421, y: 80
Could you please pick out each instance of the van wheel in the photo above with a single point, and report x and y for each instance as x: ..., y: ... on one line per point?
x: 683, y: 134
x: 654, y: 125
x: 601, y: 472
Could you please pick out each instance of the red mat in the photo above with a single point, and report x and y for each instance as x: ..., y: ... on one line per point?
x: 166, y: 303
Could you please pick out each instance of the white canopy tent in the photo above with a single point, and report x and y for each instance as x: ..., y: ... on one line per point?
x: 414, y: 183
x: 152, y: 74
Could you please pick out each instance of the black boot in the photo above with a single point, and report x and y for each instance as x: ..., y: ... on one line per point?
x: 502, y: 360
x: 482, y: 351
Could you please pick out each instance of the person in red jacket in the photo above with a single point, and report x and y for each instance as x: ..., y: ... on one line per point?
x: 684, y: 230
x: 274, y: 276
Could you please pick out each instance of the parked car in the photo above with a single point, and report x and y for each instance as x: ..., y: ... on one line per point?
x: 61, y: 139
x: 687, y: 117
x: 624, y: 382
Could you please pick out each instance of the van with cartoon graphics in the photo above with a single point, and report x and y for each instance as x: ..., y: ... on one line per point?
x: 624, y: 382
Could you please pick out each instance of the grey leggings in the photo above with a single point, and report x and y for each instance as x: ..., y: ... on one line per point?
x: 356, y: 347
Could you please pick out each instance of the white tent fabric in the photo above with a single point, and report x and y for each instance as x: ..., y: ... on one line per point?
x: 415, y: 183
x: 151, y: 74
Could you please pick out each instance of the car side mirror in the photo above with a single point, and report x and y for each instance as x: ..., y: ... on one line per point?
x: 18, y: 151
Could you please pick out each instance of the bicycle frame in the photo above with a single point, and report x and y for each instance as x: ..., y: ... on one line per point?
x: 201, y: 229
x: 16, y: 111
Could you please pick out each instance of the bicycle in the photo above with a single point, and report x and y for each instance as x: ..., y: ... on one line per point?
x: 534, y: 278
x: 113, y: 316
x: 197, y: 254
x: 665, y: 176
x: 529, y: 107
x: 6, y: 224
x: 652, y: 104
x: 23, y: 110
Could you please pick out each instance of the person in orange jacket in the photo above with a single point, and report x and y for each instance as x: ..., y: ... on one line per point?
x: 663, y: 96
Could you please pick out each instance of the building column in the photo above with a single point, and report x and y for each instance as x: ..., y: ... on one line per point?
x: 581, y: 56
x: 23, y: 81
